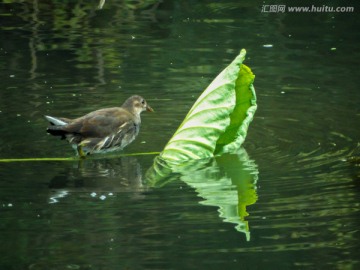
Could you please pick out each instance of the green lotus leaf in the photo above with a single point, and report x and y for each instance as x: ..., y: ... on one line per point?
x: 218, y: 121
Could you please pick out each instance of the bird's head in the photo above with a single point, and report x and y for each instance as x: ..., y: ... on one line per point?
x: 137, y: 104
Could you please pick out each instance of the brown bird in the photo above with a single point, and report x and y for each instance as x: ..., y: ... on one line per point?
x: 103, y: 130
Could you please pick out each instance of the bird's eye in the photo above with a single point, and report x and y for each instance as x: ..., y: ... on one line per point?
x: 143, y: 102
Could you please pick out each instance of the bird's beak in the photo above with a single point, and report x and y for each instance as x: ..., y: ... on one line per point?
x: 149, y: 109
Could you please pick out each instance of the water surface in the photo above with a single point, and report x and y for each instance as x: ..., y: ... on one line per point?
x: 289, y: 200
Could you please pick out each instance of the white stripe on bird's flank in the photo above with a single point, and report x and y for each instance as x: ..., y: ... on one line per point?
x: 101, y: 144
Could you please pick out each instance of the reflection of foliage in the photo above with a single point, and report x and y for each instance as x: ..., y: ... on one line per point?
x: 227, y: 181
x: 131, y: 4
x: 77, y: 27
x: 354, y: 156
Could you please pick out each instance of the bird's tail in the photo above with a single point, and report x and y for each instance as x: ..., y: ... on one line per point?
x: 56, y: 131
x: 56, y: 121
x: 56, y: 127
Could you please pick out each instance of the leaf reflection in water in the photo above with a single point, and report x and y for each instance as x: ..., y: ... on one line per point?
x: 227, y: 181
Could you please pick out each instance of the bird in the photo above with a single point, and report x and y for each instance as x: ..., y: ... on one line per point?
x: 103, y: 130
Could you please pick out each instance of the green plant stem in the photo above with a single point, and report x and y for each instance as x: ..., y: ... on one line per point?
x: 8, y: 160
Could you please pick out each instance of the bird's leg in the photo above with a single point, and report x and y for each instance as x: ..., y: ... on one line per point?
x: 80, y: 151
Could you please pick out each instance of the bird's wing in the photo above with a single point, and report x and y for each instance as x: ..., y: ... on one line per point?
x: 100, y: 123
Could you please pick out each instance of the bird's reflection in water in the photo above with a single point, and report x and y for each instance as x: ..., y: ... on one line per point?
x: 99, y: 178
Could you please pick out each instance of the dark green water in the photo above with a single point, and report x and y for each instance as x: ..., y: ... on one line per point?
x: 291, y: 201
